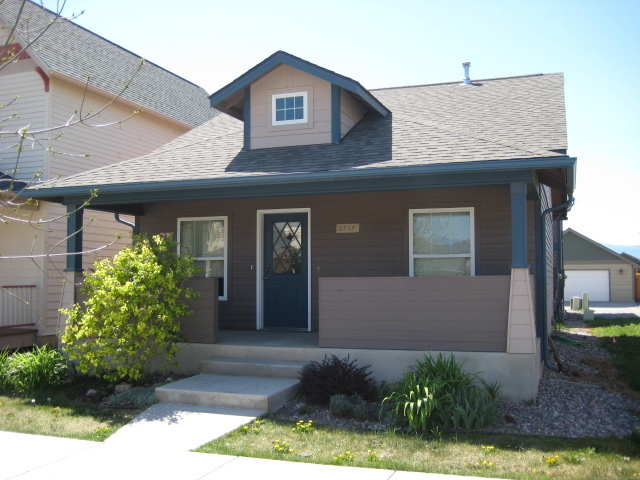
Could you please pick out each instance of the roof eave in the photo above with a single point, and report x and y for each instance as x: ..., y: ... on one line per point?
x: 55, y: 193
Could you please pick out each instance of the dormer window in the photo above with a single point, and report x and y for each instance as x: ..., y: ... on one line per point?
x: 288, y: 108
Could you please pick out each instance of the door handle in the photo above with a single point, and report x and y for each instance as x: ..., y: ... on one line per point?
x: 266, y: 278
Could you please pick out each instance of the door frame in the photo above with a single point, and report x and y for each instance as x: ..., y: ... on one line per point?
x: 260, y: 262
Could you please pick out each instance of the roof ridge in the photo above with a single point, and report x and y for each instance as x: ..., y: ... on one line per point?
x: 62, y: 18
x: 460, y: 82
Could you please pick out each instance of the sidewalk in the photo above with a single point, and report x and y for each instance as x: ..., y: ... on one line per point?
x: 34, y: 457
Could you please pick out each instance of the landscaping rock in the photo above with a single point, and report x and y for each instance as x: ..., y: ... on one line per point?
x: 122, y: 387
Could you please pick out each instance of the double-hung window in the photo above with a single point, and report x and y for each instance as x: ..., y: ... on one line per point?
x: 441, y: 242
x: 206, y: 239
x: 288, y: 108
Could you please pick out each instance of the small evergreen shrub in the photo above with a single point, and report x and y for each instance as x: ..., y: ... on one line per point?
x: 335, y: 376
x: 352, y: 406
x: 437, y: 394
x: 135, y: 397
x: 25, y: 372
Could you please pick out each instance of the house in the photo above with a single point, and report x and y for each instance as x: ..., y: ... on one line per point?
x: 42, y: 87
x: 591, y: 267
x: 384, y: 223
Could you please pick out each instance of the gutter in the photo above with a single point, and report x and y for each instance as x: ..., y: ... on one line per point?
x: 545, y: 333
x: 42, y: 190
x: 133, y: 227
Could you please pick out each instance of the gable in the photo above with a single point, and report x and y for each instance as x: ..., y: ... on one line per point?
x: 287, y: 101
x: 580, y: 249
x: 72, y: 51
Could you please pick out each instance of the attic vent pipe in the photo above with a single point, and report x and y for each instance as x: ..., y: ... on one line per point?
x: 467, y: 80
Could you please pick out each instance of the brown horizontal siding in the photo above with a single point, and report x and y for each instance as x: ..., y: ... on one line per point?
x: 452, y: 313
x: 380, y: 249
x: 202, y: 325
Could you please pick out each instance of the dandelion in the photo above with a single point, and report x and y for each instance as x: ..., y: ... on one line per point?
x: 33, y: 400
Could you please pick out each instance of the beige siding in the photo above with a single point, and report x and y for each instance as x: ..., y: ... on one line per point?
x: 521, y: 337
x: 420, y: 313
x: 103, y: 145
x: 621, y: 285
x: 21, y: 80
x: 286, y: 79
x: 380, y: 249
x: 351, y: 112
x: 19, y: 239
x: 90, y: 147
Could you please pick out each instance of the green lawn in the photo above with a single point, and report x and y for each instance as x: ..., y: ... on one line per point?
x: 57, y: 413
x: 621, y: 337
x: 502, y: 456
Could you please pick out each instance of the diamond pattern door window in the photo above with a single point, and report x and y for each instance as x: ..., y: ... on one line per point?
x: 287, y: 248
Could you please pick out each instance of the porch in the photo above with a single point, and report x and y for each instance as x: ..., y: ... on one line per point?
x: 517, y: 373
x: 17, y: 316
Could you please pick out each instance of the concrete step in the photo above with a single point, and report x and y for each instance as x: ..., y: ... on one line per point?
x: 254, y: 393
x: 252, y: 367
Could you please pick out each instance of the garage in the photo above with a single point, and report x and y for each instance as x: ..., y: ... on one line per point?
x: 595, y: 282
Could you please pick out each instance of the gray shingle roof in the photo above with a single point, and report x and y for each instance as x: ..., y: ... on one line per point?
x: 76, y: 52
x: 496, y: 119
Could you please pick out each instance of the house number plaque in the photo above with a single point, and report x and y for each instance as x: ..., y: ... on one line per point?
x: 348, y: 228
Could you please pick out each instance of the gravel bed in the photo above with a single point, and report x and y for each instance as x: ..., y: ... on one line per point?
x: 583, y: 400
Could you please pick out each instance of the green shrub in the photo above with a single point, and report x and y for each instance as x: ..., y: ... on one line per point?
x: 352, y: 406
x: 335, y: 376
x: 135, y: 397
x: 132, y: 309
x: 437, y: 394
x: 25, y: 372
x: 4, y: 370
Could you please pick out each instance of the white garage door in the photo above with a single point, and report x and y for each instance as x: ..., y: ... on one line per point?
x: 596, y: 282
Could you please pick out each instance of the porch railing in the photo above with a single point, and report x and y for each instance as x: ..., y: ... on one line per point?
x: 415, y: 313
x: 16, y: 305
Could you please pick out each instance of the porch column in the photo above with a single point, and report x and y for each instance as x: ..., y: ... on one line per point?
x: 519, y: 225
x: 74, y: 237
x: 521, y: 335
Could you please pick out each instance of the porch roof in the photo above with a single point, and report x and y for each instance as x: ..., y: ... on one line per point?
x: 496, y: 124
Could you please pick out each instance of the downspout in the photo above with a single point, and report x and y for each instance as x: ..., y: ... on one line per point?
x: 133, y: 227
x: 545, y: 333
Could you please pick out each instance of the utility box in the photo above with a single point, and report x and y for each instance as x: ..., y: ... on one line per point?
x: 576, y: 303
x: 585, y: 301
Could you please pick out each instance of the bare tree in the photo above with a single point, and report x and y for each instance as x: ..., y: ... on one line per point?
x: 21, y: 36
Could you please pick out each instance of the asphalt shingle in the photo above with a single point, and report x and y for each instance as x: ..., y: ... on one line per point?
x: 73, y: 51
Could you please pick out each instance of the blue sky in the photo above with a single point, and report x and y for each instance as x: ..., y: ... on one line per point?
x: 393, y: 43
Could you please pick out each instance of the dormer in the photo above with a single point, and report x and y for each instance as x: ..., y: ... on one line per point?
x: 286, y: 101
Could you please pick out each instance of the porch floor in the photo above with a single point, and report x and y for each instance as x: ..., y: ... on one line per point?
x: 269, y: 338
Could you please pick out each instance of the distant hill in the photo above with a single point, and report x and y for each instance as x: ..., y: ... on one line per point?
x: 630, y: 249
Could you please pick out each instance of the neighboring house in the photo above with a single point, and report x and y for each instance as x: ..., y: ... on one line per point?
x: 44, y: 86
x: 591, y: 267
x: 398, y: 221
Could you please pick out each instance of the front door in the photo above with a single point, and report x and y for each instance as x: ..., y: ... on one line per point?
x: 285, y: 271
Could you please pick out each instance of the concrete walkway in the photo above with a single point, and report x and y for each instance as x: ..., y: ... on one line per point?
x: 613, y: 309
x: 34, y: 457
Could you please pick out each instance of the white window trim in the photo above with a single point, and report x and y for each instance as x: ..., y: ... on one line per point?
x: 471, y: 255
x: 305, y: 108
x: 224, y: 258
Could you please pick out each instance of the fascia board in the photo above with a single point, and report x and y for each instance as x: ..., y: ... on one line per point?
x: 470, y: 167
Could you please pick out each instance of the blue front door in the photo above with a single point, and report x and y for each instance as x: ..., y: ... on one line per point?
x: 286, y: 286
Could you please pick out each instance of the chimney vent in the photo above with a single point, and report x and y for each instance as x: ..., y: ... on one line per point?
x: 467, y: 80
